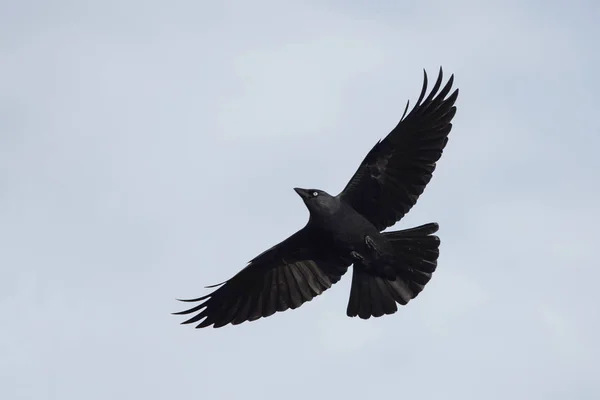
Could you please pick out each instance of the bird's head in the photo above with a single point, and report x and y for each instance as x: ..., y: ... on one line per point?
x: 317, y: 200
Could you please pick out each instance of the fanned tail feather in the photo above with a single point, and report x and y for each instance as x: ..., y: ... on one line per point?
x: 417, y: 251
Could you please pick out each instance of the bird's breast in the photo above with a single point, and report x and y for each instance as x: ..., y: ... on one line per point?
x: 347, y: 230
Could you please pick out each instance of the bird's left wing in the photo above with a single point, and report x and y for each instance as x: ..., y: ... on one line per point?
x: 395, y: 172
x: 283, y: 277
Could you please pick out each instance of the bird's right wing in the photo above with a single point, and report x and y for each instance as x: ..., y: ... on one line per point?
x: 283, y: 277
x: 395, y: 172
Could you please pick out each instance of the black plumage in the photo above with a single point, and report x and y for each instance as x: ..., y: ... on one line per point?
x: 389, y: 268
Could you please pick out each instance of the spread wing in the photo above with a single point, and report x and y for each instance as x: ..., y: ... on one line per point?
x: 283, y: 277
x: 395, y: 172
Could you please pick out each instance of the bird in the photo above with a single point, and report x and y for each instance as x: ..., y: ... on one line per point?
x: 389, y: 268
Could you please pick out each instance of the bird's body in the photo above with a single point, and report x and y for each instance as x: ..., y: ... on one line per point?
x: 340, y: 224
x: 348, y: 233
x: 389, y: 268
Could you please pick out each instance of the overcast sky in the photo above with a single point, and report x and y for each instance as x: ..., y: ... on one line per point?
x: 150, y: 148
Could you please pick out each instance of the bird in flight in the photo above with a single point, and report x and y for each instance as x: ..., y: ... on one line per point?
x: 389, y: 268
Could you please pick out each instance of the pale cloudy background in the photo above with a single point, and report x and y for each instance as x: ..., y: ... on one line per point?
x: 149, y: 148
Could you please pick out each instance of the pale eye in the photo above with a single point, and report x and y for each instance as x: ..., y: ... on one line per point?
x: 315, y: 194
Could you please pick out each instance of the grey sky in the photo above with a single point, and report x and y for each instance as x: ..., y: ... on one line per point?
x: 141, y: 139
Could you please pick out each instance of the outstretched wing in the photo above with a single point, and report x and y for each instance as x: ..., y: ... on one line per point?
x: 283, y: 277
x: 395, y: 172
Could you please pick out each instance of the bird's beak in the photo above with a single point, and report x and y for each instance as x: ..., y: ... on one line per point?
x: 302, y: 193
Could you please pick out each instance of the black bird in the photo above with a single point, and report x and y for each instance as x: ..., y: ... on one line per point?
x: 389, y: 267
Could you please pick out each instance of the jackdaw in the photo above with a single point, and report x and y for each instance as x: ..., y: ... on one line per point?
x: 389, y: 268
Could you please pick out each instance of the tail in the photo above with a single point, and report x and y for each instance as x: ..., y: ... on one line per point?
x: 417, y: 251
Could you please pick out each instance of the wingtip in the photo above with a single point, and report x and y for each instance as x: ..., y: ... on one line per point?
x: 188, y: 300
x: 215, y: 285
x: 451, y: 80
x: 404, y: 113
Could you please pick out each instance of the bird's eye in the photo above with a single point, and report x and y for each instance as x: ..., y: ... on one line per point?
x: 315, y: 194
